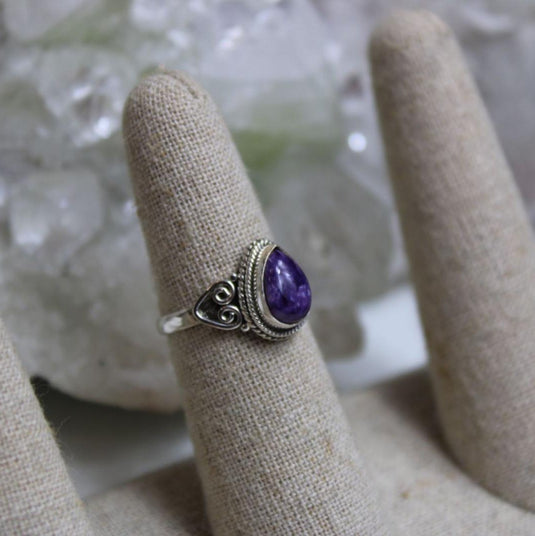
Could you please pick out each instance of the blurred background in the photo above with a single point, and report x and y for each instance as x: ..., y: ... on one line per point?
x: 292, y: 81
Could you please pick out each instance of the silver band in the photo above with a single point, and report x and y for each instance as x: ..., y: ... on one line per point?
x: 217, y: 307
x: 236, y: 303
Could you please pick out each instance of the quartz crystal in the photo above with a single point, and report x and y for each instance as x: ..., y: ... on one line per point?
x: 29, y: 19
x: 84, y: 88
x: 291, y: 79
x: 3, y: 198
x: 53, y: 214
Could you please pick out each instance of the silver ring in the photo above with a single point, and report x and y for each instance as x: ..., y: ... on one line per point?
x: 269, y: 296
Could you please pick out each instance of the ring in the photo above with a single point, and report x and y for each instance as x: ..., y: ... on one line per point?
x: 269, y: 296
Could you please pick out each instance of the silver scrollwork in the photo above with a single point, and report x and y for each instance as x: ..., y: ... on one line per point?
x: 223, y: 292
x: 218, y: 306
x: 236, y: 302
x: 230, y: 315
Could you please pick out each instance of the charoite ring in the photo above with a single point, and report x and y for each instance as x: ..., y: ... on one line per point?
x: 269, y: 296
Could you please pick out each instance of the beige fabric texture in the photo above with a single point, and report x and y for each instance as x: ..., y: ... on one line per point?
x: 274, y: 453
x: 36, y: 495
x: 273, y: 448
x: 166, y: 503
x: 471, y: 249
x: 421, y: 488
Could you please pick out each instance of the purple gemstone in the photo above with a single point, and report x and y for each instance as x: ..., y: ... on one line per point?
x: 286, y: 288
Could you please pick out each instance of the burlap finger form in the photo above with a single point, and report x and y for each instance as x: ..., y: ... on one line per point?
x: 470, y: 246
x: 423, y: 490
x: 273, y: 448
x: 36, y: 495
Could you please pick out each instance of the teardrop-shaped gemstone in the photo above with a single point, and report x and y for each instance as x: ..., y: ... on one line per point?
x: 286, y: 288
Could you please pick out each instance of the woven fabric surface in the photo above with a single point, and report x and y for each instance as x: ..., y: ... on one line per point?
x: 272, y: 445
x: 274, y: 452
x: 421, y: 487
x: 471, y: 249
x: 36, y: 495
x: 168, y: 502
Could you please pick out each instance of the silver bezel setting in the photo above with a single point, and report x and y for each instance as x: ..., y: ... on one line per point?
x: 251, y: 295
x: 238, y: 302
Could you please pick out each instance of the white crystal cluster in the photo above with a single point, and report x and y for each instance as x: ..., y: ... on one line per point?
x: 290, y: 77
